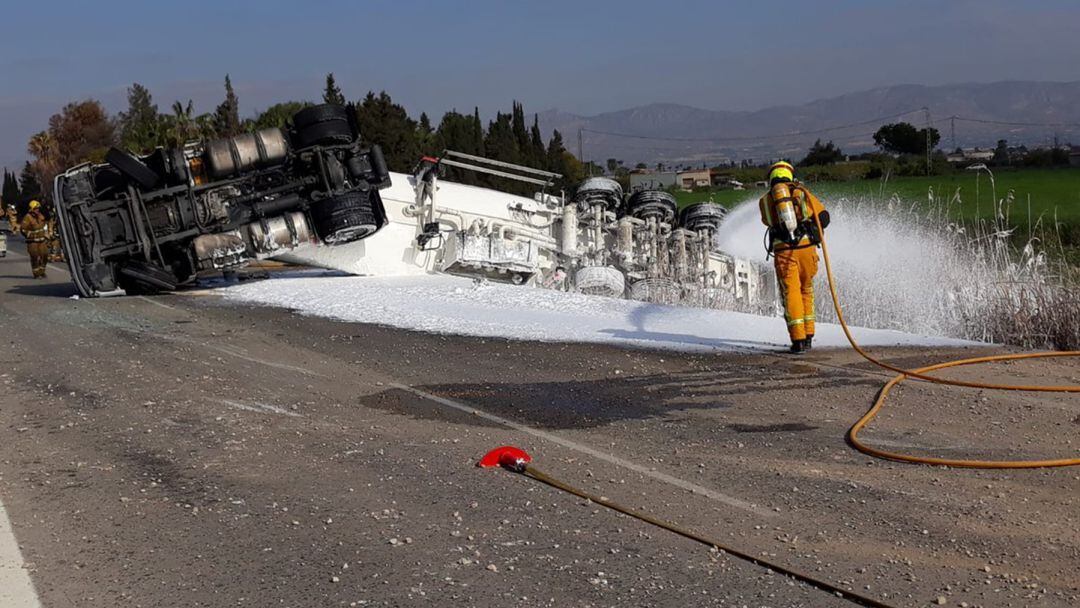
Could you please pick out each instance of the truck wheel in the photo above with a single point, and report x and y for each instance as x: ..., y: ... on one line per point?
x: 140, y: 278
x: 133, y: 168
x: 600, y: 281
x: 324, y: 134
x: 321, y: 113
x: 325, y: 125
x: 702, y: 216
x: 646, y: 204
x: 344, y: 218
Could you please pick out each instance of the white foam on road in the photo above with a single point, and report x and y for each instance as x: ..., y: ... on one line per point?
x: 452, y: 305
x: 16, y: 589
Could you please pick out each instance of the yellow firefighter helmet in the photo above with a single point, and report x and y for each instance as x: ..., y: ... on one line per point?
x: 781, y: 170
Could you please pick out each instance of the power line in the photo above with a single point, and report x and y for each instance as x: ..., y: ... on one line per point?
x: 1016, y: 124
x: 754, y: 137
x: 952, y: 119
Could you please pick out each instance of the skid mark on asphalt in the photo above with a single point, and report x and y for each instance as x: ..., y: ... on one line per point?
x: 590, y: 451
x: 16, y: 589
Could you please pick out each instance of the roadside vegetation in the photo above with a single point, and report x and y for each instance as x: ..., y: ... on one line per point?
x: 83, y: 131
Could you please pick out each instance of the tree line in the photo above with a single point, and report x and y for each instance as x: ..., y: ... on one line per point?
x: 83, y: 131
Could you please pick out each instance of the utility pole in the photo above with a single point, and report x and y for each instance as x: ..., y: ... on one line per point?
x: 952, y: 128
x: 580, y: 146
x: 927, y: 110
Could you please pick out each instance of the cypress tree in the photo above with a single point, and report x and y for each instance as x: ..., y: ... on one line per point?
x: 29, y: 189
x: 537, y: 153
x: 227, y: 115
x: 10, y: 193
x: 521, y: 134
x: 140, y: 125
x: 332, y: 93
x: 478, y: 133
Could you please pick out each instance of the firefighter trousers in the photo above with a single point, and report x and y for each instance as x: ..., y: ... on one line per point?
x: 39, y: 256
x: 795, y: 270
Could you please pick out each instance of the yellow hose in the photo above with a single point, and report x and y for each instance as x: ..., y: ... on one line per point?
x: 920, y: 374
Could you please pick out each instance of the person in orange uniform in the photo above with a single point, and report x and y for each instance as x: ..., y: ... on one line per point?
x: 35, y: 229
x: 789, y: 209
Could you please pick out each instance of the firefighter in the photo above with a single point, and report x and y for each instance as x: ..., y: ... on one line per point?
x: 12, y: 218
x: 56, y: 251
x: 789, y: 209
x: 35, y: 230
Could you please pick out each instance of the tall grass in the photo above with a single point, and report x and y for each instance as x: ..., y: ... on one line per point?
x: 906, y: 265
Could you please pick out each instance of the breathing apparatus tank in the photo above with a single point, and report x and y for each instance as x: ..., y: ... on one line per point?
x: 784, y: 203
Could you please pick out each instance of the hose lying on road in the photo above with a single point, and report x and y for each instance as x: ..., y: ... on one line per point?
x: 920, y: 374
x: 517, y: 460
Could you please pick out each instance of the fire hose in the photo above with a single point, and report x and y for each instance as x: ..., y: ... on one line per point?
x: 921, y: 374
x: 518, y: 461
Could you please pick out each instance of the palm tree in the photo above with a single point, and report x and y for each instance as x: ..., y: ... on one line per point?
x: 180, y: 127
x: 42, y: 146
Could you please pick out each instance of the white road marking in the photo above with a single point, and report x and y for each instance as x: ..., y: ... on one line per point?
x: 584, y: 449
x: 156, y: 303
x: 261, y: 408
x: 239, y: 354
x: 16, y: 588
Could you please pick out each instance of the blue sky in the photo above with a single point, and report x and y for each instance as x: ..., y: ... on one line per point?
x: 583, y: 57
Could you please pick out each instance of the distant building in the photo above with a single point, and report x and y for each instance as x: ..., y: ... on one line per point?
x: 701, y: 178
x: 653, y: 181
x: 970, y: 154
x: 1074, y: 156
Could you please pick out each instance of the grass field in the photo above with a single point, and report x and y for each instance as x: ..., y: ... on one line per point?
x: 1047, y: 188
x: 1049, y: 191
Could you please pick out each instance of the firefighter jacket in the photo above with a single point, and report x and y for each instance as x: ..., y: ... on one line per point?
x: 34, y: 227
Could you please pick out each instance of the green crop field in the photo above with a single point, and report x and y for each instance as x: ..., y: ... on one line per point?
x: 1048, y: 190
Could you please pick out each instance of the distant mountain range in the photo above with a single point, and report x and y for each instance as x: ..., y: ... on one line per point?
x: 768, y: 133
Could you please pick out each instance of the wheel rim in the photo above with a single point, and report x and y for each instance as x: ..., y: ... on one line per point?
x: 352, y: 233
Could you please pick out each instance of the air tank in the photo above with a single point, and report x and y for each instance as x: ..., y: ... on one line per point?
x: 235, y: 155
x: 569, y: 230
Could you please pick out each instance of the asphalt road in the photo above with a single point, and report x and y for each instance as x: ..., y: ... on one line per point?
x: 182, y: 451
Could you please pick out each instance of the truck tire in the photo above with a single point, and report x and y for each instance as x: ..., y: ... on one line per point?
x: 324, y: 134
x: 599, y: 191
x: 600, y: 281
x: 699, y: 216
x: 646, y: 204
x: 344, y: 218
x: 656, y: 291
x: 326, y: 112
x: 132, y: 168
x: 324, y: 125
x: 142, y: 278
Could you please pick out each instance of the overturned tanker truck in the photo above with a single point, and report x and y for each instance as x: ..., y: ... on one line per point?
x: 158, y: 222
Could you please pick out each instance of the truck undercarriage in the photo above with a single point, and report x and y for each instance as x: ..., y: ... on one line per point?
x: 154, y: 222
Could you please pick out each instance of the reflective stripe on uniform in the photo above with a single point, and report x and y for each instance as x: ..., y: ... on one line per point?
x: 794, y: 322
x: 766, y: 208
x: 801, y: 195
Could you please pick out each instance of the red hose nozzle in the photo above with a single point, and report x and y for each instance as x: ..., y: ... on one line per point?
x: 507, y: 457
